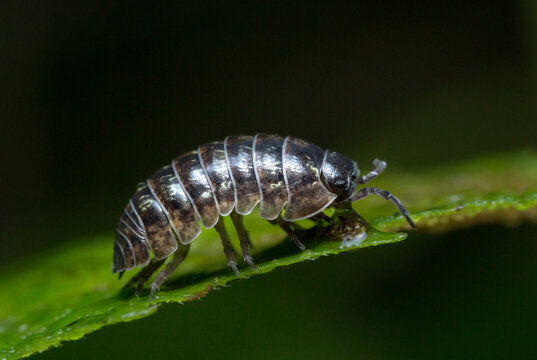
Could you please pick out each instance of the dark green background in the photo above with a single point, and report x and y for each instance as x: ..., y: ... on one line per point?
x: 96, y: 96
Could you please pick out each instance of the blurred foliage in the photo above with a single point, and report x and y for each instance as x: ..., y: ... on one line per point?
x: 80, y: 295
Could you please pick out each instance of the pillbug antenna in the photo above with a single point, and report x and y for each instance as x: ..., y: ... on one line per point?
x: 378, y: 167
x: 365, y: 192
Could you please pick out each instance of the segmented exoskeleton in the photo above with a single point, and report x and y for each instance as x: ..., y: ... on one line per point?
x: 231, y: 177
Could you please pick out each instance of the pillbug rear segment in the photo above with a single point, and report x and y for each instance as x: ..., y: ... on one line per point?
x: 130, y: 247
x: 231, y: 177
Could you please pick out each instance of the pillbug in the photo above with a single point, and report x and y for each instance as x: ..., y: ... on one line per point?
x: 232, y: 177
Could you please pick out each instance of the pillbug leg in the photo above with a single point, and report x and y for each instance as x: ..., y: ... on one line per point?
x: 144, y: 275
x: 220, y: 227
x: 365, y: 192
x: 285, y: 226
x: 378, y: 167
x: 243, y: 238
x: 236, y: 218
x: 178, y: 256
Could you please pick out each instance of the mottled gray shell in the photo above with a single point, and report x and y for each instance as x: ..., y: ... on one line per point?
x: 212, y: 181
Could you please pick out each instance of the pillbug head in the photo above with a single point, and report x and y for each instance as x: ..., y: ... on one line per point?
x: 339, y: 174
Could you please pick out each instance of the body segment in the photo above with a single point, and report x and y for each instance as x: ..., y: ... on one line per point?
x: 267, y: 150
x: 239, y: 159
x: 188, y: 169
x: 213, y: 160
x: 174, y: 200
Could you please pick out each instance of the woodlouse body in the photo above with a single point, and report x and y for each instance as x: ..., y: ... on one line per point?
x: 232, y: 177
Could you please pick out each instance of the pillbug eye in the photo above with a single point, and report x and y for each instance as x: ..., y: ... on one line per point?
x: 340, y: 183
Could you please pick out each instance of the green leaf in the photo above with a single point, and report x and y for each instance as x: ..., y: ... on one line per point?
x: 80, y: 294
